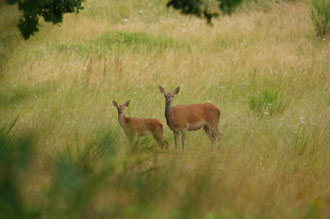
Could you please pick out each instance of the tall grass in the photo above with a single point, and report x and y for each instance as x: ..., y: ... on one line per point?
x: 264, y: 69
x: 320, y: 14
x: 267, y: 102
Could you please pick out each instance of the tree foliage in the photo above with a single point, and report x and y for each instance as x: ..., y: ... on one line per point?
x: 201, y: 8
x: 51, y: 10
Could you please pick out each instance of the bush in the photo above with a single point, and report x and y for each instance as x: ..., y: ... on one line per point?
x: 15, y: 158
x: 320, y: 15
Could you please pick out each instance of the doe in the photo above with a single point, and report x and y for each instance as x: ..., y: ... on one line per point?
x: 183, y: 118
x: 140, y: 127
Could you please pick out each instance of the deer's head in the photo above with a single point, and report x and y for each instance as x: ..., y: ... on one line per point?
x: 120, y: 108
x: 169, y: 96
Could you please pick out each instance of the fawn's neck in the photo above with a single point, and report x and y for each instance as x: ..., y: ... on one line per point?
x: 169, y: 115
x: 122, y: 120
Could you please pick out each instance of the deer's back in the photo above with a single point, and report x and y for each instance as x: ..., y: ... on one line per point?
x: 195, y: 114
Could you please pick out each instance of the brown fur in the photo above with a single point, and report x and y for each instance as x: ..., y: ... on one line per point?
x: 184, y: 118
x: 183, y: 115
x: 144, y: 127
x: 141, y: 127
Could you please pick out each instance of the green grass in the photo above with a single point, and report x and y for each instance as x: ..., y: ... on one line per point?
x: 320, y: 15
x: 267, y: 102
x: 66, y: 156
x: 138, y: 41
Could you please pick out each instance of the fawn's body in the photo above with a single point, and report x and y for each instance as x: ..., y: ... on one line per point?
x: 184, y: 118
x: 134, y: 127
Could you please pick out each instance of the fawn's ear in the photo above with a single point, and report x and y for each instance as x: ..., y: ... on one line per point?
x: 162, y: 90
x: 126, y: 104
x: 114, y: 103
x: 176, y: 91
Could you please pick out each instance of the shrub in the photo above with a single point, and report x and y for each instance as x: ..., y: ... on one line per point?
x: 320, y: 15
x: 15, y: 158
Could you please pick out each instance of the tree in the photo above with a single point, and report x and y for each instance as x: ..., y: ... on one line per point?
x: 51, y: 10
x: 201, y: 8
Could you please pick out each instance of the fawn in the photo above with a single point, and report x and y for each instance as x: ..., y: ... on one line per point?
x: 141, y: 127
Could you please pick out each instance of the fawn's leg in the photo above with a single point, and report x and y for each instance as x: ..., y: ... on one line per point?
x: 161, y: 141
x: 132, y: 139
x: 176, y: 138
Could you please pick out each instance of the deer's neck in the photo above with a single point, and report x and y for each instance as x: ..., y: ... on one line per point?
x: 123, y: 120
x: 169, y: 116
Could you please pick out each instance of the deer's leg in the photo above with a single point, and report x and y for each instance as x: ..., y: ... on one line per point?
x: 209, y: 133
x: 218, y: 135
x: 176, y: 138
x: 184, y: 135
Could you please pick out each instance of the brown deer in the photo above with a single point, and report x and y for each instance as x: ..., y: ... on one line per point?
x: 140, y: 127
x: 183, y: 118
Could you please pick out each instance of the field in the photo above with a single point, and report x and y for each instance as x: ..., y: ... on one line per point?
x: 263, y: 66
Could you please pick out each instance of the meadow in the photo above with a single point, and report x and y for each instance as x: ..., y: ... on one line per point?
x: 66, y: 155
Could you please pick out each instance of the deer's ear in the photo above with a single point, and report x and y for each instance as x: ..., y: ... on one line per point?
x: 161, y: 89
x: 127, y: 103
x: 176, y: 91
x: 114, y: 103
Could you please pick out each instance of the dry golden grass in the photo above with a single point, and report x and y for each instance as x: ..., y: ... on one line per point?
x: 62, y: 81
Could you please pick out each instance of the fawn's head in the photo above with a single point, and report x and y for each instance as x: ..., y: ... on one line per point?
x: 169, y: 96
x: 120, y: 108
